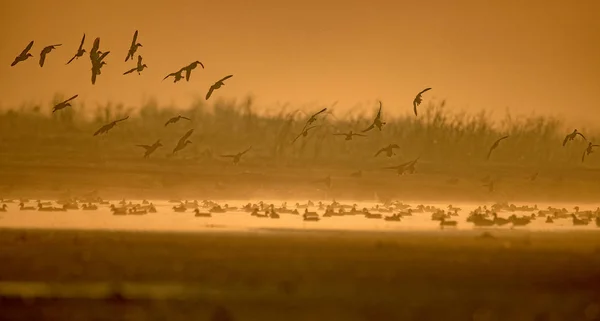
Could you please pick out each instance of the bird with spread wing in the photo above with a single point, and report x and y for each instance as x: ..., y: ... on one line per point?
x: 237, y: 157
x: 139, y: 68
x: 588, y: 150
x: 133, y: 47
x: 177, y: 76
x: 405, y: 167
x: 389, y: 150
x: 418, y: 99
x: 495, y: 145
x: 63, y: 104
x: 349, y: 135
x: 80, y: 51
x: 183, y: 141
x: 104, y: 129
x: 46, y: 51
x: 175, y: 119
x: 572, y: 136
x: 150, y: 148
x: 313, y: 117
x: 23, y: 55
x: 304, y: 132
x: 188, y: 69
x: 217, y: 85
x: 377, y: 121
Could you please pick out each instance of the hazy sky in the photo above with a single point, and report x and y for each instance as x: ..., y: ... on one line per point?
x: 528, y: 56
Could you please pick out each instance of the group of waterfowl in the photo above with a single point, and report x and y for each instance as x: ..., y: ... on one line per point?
x: 391, y: 211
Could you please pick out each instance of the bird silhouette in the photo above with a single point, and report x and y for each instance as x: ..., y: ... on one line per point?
x: 349, y: 135
x: 402, y: 168
x: 418, y: 99
x: 588, y: 150
x: 188, y: 69
x: 304, y: 133
x: 183, y: 141
x: 94, y: 54
x: 104, y: 129
x: 23, y: 55
x: 97, y: 66
x: 217, y: 85
x: 150, y: 148
x: 313, y: 117
x: 80, y: 51
x: 389, y: 150
x: 178, y: 75
x: 175, y: 119
x: 377, y: 121
x: 572, y: 136
x: 138, y: 68
x: 495, y: 145
x: 63, y: 104
x: 133, y: 47
x: 46, y: 51
x: 238, y: 156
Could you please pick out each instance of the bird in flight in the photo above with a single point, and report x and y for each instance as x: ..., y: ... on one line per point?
x: 304, y: 132
x: 377, y: 122
x: 572, y: 136
x: 79, y: 52
x: 94, y: 53
x: 63, y: 104
x: 404, y: 167
x: 238, y: 156
x: 134, y: 46
x: 178, y: 75
x: 389, y: 150
x: 23, y: 55
x: 418, y: 99
x: 46, y: 51
x: 495, y: 145
x: 188, y: 69
x: 175, y: 119
x: 217, y: 85
x: 349, y: 135
x: 313, y: 118
x: 588, y: 150
x: 104, y: 129
x: 183, y: 141
x: 138, y: 68
x: 150, y: 148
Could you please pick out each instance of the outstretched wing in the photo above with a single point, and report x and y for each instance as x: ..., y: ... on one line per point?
x: 247, y: 150
x: 424, y: 90
x: 139, y: 60
x: 122, y: 119
x: 369, y: 128
x: 42, y: 58
x: 68, y: 100
x: 319, y: 112
x: 24, y: 52
x: 96, y: 45
x: 580, y: 134
x: 379, y: 152
x: 102, y: 129
x: 566, y: 140
x: 81, y: 44
x: 171, y: 121
x: 231, y: 156
x: 133, y: 42
x: 583, y: 156
x: 379, y: 112
x: 394, y: 146
x: 210, y: 91
x: 146, y: 147
x: 295, y: 139
x: 186, y: 136
x: 490, y: 152
x: 224, y: 78
x: 72, y: 59
x: 415, y: 106
x: 129, y: 71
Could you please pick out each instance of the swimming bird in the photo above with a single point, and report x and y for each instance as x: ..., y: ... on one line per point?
x: 150, y: 148
x: 138, y: 68
x: 304, y: 133
x: 418, y: 99
x: 104, y: 129
x: 23, y: 55
x: 46, y: 51
x: 313, y: 117
x: 572, y: 136
x: 175, y: 119
x: 80, y: 51
x: 217, y: 85
x: 63, y: 104
x: 183, y: 141
x: 188, y: 69
x: 133, y: 47
x: 495, y: 145
x: 389, y: 150
x: 349, y: 135
x: 377, y: 121
x: 238, y: 156
x: 178, y: 75
x: 588, y: 150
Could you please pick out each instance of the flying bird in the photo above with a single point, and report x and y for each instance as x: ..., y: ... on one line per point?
x: 377, y: 122
x: 404, y: 167
x: 134, y: 46
x: 150, y: 148
x: 572, y: 136
x: 238, y: 156
x: 418, y: 99
x: 23, y: 55
x: 177, y: 75
x: 389, y: 150
x: 139, y: 68
x: 79, y: 52
x: 104, y: 129
x: 313, y: 118
x: 304, y: 133
x: 175, y: 119
x: 588, y: 150
x: 349, y: 135
x: 188, y: 69
x: 97, y: 65
x: 46, y: 51
x: 183, y: 141
x: 495, y: 145
x: 217, y: 85
x: 94, y: 54
x: 63, y: 104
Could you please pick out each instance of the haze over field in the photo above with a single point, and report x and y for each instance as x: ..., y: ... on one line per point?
x: 539, y: 56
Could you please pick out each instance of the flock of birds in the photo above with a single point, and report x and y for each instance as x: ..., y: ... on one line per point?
x: 393, y: 211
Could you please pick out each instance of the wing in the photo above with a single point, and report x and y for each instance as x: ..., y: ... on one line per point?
x: 228, y: 156
x: 68, y: 100
x: 122, y: 119
x: 104, y: 54
x: 580, y: 134
x: 583, y: 156
x: 96, y: 45
x: 379, y: 112
x: 130, y: 71
x: 184, y: 118
x: 169, y: 75
x: 210, y: 91
x: 201, y: 64
x: 369, y: 128
x: 101, y: 130
x: 295, y: 139
x: 424, y: 90
x: 379, y: 152
x: 393, y: 167
x: 82, y: 41
x: 503, y: 138
x: 247, y: 150
x: 24, y: 52
x: 139, y: 60
x: 94, y: 74
x: 188, y: 73
x: 361, y: 135
x: 42, y: 58
x: 146, y: 147
x: 72, y: 59
x: 566, y: 140
x: 490, y: 153
x: 186, y: 136
x: 319, y: 112
x: 394, y: 146
x: 415, y: 106
x: 309, y: 128
x: 135, y: 35
x: 224, y: 78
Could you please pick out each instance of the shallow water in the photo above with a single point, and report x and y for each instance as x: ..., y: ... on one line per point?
x: 167, y: 220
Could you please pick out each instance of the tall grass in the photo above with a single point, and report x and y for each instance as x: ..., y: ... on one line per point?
x: 438, y: 135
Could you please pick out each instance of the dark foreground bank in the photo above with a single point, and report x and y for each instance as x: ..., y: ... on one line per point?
x: 281, y: 275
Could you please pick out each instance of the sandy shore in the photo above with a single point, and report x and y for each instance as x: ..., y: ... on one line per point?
x: 304, y: 275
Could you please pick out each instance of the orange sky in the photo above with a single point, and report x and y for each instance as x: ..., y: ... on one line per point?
x: 528, y: 56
